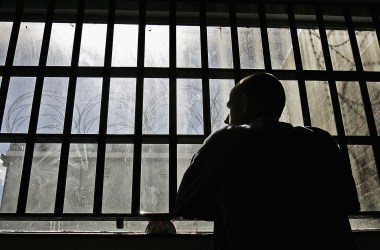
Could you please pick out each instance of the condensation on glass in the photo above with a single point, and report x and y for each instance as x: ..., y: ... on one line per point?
x: 250, y: 48
x: 154, y: 178
x: 219, y: 96
x: 156, y: 106
x: 369, y: 49
x: 352, y: 108
x: 43, y: 178
x: 188, y: 47
x: 18, y: 105
x: 5, y: 31
x: 121, y: 107
x: 219, y: 47
x: 87, y: 106
x: 124, y: 51
x: 11, y: 165
x: 189, y: 106
x: 29, y: 43
x: 118, y: 171
x: 320, y: 106
x: 80, y: 180
x: 93, y: 44
x: 374, y: 94
x: 61, y: 44
x: 311, y: 49
x: 365, y: 175
x: 156, y: 46
x: 292, y: 112
x: 281, y: 48
x: 53, y: 105
x: 185, y: 153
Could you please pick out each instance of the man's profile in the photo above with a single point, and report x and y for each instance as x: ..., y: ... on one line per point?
x: 266, y: 183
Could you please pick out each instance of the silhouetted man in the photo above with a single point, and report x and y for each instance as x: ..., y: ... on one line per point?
x: 267, y: 184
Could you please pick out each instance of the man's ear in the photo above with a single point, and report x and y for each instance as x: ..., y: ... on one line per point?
x: 245, y: 103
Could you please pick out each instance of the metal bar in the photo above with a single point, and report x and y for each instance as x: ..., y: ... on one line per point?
x: 235, y: 42
x: 264, y: 37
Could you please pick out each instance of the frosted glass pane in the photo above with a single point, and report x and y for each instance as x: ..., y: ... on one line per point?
x: 194, y: 226
x: 188, y: 47
x: 250, y: 48
x: 87, y: 106
x: 157, y: 46
x: 292, y: 112
x: 352, y: 108
x: 93, y: 45
x: 366, y: 177
x: 369, y: 49
x: 11, y: 163
x: 53, y: 105
x: 117, y: 190
x: 5, y: 31
x: 124, y: 52
x: 320, y: 106
x: 219, y: 47
x: 340, y: 50
x: 18, y: 105
x: 80, y: 181
x: 29, y: 44
x: 219, y: 95
x: 189, y: 106
x: 43, y: 178
x: 374, y: 94
x: 154, y: 178
x: 281, y: 48
x: 185, y: 153
x: 156, y: 106
x: 311, y: 49
x: 61, y: 44
x: 121, y: 108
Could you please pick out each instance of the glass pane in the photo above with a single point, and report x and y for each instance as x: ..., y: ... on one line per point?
x: 5, y: 31
x: 93, y: 45
x: 352, y: 108
x: 121, y: 107
x: 189, y: 106
x: 61, y: 44
x: 117, y: 190
x: 29, y: 44
x: 185, y: 153
x: 53, y: 105
x: 80, y: 181
x: 194, y: 226
x: 124, y: 52
x: 219, y: 95
x: 369, y: 49
x: 18, y: 105
x: 157, y: 46
x: 156, y: 106
x: 311, y: 49
x: 43, y: 178
x: 250, y: 48
x: 188, y: 47
x: 87, y: 106
x: 366, y: 177
x: 292, y: 112
x: 321, y: 111
x: 340, y: 50
x: 154, y: 178
x: 219, y: 47
x: 374, y: 94
x: 11, y: 163
x: 281, y: 48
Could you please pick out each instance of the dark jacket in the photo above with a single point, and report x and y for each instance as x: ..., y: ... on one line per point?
x: 271, y: 185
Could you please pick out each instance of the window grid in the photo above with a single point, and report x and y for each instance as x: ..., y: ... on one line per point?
x: 140, y: 73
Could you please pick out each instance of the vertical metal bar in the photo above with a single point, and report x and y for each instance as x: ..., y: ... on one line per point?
x: 235, y: 42
x: 205, y: 70
x: 62, y: 173
x: 27, y: 166
x: 99, y: 177
x: 264, y: 37
x: 376, y: 21
x: 136, y: 183
x: 172, y: 108
x: 298, y: 62
x: 363, y: 86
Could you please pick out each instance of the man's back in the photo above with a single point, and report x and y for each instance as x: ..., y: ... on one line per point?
x: 271, y: 177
